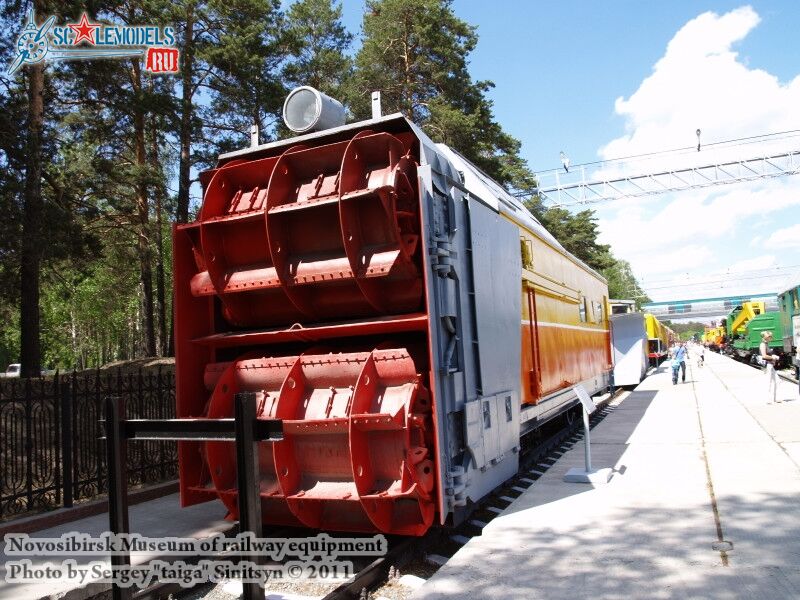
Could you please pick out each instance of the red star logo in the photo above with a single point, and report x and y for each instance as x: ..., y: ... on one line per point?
x: 83, y: 30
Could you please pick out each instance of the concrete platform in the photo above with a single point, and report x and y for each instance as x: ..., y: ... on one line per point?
x: 157, y: 518
x: 696, y: 463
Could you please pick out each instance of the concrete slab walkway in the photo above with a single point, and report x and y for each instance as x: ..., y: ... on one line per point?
x: 698, y: 463
x: 162, y: 517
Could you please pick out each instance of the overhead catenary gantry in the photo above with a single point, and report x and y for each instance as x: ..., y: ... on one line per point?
x: 580, y: 187
x: 620, y: 178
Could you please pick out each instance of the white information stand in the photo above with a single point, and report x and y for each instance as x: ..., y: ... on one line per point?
x: 589, y: 474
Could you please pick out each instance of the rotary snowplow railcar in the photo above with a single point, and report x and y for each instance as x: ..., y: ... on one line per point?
x: 403, y: 315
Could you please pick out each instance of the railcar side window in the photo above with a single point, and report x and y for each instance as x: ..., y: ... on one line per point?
x: 597, y: 311
x: 582, y: 309
x: 526, y: 250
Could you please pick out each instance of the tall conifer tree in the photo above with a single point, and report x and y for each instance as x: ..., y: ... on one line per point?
x: 319, y: 42
x: 415, y: 52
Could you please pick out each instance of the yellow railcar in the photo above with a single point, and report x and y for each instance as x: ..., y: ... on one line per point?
x: 657, y: 339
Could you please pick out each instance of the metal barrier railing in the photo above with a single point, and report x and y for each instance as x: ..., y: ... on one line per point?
x: 246, y: 430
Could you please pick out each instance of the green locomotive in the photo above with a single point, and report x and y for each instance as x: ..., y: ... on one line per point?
x: 746, y: 346
x: 789, y: 306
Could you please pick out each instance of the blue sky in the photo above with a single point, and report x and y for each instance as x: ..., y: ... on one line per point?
x: 595, y: 79
x: 558, y: 67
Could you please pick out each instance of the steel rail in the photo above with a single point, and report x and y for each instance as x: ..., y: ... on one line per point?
x: 537, y: 455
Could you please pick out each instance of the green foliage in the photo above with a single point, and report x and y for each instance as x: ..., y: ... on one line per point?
x: 578, y: 234
x: 687, y: 331
x: 622, y: 283
x: 9, y: 336
x: 415, y: 52
x: 319, y: 42
x: 115, y: 140
x: 244, y: 83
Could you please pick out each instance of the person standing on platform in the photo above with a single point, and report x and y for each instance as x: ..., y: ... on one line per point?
x: 679, y: 362
x: 770, y: 360
x: 675, y: 364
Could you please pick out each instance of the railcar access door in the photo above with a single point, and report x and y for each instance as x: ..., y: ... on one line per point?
x: 531, y: 358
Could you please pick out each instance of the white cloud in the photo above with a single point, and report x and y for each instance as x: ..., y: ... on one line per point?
x: 642, y: 234
x: 757, y: 263
x: 701, y: 82
x: 788, y: 237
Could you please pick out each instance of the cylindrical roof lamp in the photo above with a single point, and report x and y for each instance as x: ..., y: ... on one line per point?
x: 306, y: 110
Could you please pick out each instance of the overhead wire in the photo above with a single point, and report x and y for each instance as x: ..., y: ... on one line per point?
x: 706, y: 283
x: 741, y: 141
x: 726, y: 273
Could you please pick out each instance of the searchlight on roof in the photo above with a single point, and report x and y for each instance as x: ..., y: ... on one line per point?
x: 307, y: 109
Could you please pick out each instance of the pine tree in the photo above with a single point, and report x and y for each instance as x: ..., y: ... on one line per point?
x: 44, y: 223
x: 415, y: 52
x: 623, y: 284
x: 244, y: 81
x: 13, y: 114
x: 115, y: 101
x: 195, y: 30
x: 318, y: 42
x: 578, y: 234
x: 31, y: 256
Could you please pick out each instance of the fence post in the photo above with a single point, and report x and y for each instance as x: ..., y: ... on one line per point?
x: 116, y: 451
x: 141, y: 414
x: 58, y: 443
x: 66, y: 442
x: 162, y: 413
x: 76, y: 442
x: 28, y: 443
x: 248, y: 477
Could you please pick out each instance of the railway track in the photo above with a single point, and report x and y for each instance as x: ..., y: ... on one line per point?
x: 437, y: 546
x: 783, y: 373
x: 540, y: 451
x: 787, y: 376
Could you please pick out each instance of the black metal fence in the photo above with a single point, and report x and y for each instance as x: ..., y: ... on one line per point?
x: 51, y: 452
